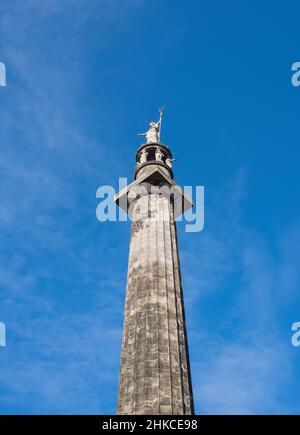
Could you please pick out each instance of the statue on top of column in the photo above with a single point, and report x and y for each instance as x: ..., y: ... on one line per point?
x: 153, y: 134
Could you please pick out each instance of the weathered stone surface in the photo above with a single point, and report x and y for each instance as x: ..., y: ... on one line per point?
x: 155, y: 373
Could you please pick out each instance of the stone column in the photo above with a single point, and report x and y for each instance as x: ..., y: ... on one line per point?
x: 155, y: 373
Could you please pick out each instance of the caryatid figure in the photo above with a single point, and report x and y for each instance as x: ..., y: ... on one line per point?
x: 143, y: 157
x: 158, y: 154
x: 152, y: 135
x: 169, y: 162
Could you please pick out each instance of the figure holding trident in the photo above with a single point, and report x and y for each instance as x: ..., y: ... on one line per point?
x: 153, y: 134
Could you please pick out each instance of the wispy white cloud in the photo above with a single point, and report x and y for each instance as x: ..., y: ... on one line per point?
x: 243, y: 378
x: 242, y: 360
x: 61, y: 295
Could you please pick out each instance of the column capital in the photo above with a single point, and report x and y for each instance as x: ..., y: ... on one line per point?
x: 156, y: 178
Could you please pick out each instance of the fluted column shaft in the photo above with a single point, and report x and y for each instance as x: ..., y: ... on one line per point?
x: 155, y: 373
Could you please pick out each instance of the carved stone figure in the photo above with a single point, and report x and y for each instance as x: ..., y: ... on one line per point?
x: 152, y: 135
x: 158, y: 154
x: 143, y: 156
x: 154, y: 132
x: 169, y: 162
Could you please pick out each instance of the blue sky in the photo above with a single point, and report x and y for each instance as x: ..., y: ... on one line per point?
x: 83, y: 77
